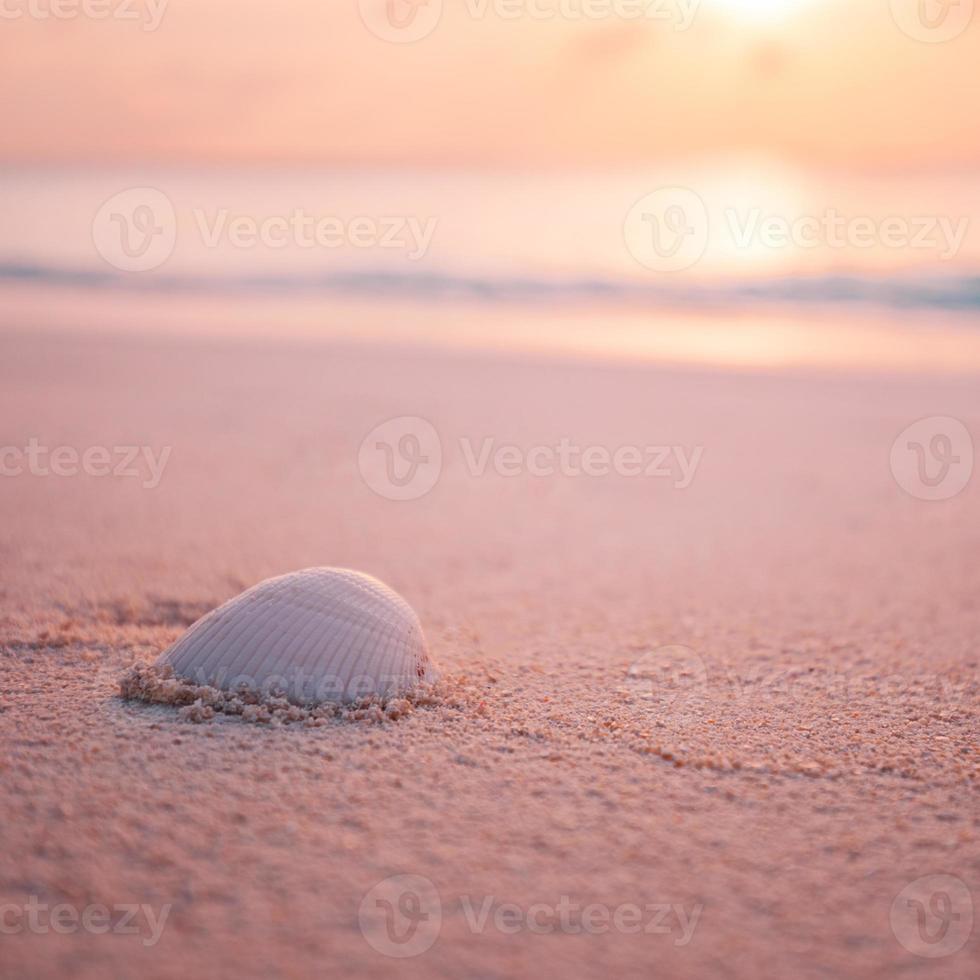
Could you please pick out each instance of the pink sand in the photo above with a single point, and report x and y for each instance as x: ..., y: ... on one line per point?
x: 828, y: 760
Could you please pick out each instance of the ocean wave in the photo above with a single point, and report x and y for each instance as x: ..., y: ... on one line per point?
x: 948, y: 293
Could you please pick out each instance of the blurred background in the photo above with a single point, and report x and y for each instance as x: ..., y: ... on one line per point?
x: 725, y: 181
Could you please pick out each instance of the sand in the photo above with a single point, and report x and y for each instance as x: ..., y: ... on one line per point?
x: 761, y: 804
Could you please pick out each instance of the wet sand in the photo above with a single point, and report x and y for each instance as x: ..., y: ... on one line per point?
x: 762, y: 803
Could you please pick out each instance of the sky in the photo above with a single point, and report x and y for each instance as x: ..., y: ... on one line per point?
x: 494, y: 83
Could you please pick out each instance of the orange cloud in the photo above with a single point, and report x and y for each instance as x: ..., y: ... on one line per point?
x: 836, y: 84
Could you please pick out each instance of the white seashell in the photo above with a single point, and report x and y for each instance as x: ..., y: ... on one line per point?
x: 321, y: 634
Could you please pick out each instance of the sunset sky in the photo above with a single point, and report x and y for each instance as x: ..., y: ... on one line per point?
x: 822, y: 83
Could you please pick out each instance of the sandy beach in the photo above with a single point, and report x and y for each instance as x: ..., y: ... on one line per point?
x: 713, y: 720
x: 568, y: 410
